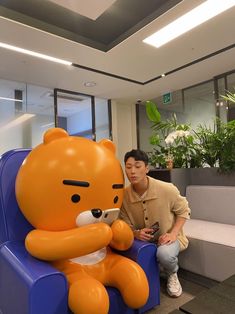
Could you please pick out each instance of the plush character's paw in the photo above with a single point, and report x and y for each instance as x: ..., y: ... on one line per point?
x: 122, y: 235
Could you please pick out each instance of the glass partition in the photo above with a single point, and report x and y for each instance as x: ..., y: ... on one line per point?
x: 24, y: 115
x: 221, y: 104
x: 40, y: 103
x: 231, y: 88
x: 102, y: 122
x: 27, y: 111
x: 199, y: 105
x: 194, y: 105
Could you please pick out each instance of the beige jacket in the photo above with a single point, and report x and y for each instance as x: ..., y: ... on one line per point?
x: 162, y: 202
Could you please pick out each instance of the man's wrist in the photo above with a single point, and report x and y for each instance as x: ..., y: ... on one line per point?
x: 136, y: 233
x: 175, y: 232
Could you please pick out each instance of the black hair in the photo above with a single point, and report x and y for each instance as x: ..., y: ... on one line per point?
x: 137, y: 154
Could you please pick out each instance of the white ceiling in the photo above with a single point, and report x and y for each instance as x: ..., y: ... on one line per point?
x: 131, y: 59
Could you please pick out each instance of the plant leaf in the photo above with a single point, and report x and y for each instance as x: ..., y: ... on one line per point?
x: 229, y: 96
x: 152, y: 112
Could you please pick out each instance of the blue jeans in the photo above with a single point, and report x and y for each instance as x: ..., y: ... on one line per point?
x: 167, y: 256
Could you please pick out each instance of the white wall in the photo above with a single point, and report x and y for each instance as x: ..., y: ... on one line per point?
x: 124, y: 129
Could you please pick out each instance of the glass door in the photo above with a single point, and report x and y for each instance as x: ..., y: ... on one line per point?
x: 83, y: 115
x: 74, y: 112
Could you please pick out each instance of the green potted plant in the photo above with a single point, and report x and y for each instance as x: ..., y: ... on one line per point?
x: 227, y: 137
x: 208, y: 141
x: 204, y: 156
x: 187, y: 148
x: 174, y: 143
x: 226, y: 156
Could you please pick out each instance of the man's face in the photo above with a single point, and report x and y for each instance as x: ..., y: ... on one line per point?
x: 136, y: 170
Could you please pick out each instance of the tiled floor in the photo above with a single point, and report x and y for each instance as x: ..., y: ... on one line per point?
x: 168, y: 304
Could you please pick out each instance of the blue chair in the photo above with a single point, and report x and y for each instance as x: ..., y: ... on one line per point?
x: 31, y: 286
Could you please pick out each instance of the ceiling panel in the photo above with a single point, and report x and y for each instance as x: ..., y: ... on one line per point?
x: 130, y: 70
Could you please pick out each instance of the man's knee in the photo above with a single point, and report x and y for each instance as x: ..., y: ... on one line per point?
x: 168, y: 253
x: 163, y: 254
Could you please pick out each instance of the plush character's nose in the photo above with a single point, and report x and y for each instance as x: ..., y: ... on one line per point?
x: 96, y: 212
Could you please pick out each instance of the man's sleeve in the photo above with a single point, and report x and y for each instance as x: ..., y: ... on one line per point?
x: 180, y: 205
x: 124, y: 216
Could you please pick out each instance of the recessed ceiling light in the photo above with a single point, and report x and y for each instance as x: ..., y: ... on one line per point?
x: 34, y: 54
x: 188, y: 21
x: 90, y: 84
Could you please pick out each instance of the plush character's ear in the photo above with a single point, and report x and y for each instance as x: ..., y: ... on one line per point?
x: 108, y: 144
x: 54, y: 134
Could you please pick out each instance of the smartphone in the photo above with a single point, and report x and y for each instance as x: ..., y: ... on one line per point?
x: 154, y: 233
x: 109, y: 215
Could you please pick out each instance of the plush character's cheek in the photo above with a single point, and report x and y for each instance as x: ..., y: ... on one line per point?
x: 89, y: 217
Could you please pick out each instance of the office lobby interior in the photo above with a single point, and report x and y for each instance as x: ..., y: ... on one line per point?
x: 87, y: 67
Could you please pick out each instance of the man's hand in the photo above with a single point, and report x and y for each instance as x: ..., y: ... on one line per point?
x: 167, y: 238
x: 143, y: 234
x: 171, y: 237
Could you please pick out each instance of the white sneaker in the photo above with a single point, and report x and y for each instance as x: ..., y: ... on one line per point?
x: 174, y: 288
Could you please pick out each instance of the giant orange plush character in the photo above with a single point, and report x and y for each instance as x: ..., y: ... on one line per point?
x: 70, y: 189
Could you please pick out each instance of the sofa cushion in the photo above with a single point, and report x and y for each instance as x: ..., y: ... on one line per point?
x: 212, y: 203
x: 210, y: 231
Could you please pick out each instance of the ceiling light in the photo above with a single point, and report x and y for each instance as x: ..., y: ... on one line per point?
x: 188, y: 21
x: 162, y: 75
x: 11, y: 99
x: 34, y: 54
x: 90, y: 84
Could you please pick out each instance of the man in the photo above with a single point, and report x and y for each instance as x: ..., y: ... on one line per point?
x: 148, y: 201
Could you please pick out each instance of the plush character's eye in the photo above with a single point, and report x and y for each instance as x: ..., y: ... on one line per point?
x: 89, y: 217
x: 75, y: 198
x: 115, y: 200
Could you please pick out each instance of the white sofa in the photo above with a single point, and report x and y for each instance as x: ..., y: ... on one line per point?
x: 211, y: 232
